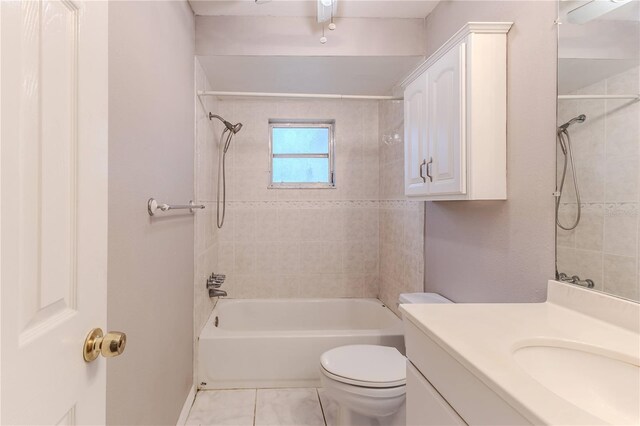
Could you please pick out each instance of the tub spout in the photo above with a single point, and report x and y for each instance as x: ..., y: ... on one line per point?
x: 214, y: 292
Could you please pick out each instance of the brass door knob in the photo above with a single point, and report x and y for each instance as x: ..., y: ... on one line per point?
x: 113, y: 344
x: 109, y: 345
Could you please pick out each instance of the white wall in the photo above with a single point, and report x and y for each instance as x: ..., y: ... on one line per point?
x: 503, y: 251
x: 150, y: 271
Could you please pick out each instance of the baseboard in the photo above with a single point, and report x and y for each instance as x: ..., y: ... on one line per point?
x: 182, y: 420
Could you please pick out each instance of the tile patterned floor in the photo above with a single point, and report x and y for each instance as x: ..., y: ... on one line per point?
x: 263, y: 407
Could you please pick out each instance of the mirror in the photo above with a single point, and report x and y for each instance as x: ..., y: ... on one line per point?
x: 598, y: 145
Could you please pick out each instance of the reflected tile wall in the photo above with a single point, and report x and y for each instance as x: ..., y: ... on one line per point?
x: 604, y: 246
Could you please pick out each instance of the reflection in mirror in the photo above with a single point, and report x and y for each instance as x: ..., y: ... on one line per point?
x: 598, y: 145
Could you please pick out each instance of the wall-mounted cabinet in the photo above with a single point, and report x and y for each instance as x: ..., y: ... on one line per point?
x: 455, y: 118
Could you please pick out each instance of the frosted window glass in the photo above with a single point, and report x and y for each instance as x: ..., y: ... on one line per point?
x: 300, y: 170
x: 302, y: 154
x: 300, y: 140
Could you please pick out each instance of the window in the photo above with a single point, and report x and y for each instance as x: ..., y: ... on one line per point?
x: 301, y: 154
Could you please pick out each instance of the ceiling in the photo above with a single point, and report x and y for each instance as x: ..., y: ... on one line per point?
x: 343, y: 75
x: 304, y: 71
x: 629, y: 11
x: 292, y: 8
x: 577, y: 73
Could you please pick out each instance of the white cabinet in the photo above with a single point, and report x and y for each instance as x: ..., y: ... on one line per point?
x: 455, y: 387
x: 425, y: 406
x: 415, y: 134
x: 445, y: 141
x: 455, y: 118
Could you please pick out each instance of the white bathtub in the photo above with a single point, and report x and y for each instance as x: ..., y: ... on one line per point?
x: 253, y: 343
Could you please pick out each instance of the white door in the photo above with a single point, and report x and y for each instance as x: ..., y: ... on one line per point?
x: 445, y: 120
x: 53, y: 226
x: 415, y: 136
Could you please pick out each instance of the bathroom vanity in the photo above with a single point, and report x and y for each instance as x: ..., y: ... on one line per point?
x: 573, y: 359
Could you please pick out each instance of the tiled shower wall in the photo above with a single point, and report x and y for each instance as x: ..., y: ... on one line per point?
x: 604, y: 246
x: 362, y: 239
x: 401, y: 221
x: 206, y: 237
x: 301, y: 243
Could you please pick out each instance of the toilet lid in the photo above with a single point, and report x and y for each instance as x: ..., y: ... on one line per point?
x: 366, y: 365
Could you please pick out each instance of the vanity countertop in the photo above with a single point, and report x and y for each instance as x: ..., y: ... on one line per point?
x: 592, y: 326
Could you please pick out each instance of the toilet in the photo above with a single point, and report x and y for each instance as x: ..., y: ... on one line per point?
x: 368, y: 382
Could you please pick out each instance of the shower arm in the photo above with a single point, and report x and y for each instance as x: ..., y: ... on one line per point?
x: 211, y: 115
x: 233, y: 128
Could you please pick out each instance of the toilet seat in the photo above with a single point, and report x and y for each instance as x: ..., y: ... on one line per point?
x: 370, y: 366
x: 363, y: 384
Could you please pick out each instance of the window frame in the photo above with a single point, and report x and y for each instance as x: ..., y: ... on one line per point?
x: 326, y: 124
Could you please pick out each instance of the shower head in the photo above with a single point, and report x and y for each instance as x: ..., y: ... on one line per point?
x: 236, y: 127
x: 579, y: 119
x: 233, y: 128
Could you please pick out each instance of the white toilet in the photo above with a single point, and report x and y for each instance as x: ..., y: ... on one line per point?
x: 368, y: 381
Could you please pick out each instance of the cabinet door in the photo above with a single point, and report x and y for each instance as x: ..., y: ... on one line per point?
x: 425, y: 406
x: 415, y: 137
x: 445, y: 124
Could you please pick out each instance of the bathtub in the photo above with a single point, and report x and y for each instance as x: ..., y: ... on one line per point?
x: 267, y: 343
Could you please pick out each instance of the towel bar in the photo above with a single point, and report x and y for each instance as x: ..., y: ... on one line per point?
x: 153, y: 206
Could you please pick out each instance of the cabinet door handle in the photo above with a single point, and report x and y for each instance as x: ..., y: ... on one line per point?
x: 424, y: 162
x: 428, y: 164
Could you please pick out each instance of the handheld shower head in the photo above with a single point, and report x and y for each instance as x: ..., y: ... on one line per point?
x: 579, y: 119
x: 233, y: 128
x: 224, y: 145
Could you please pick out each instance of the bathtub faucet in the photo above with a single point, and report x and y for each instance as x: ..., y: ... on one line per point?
x: 213, y: 285
x: 214, y: 292
x: 215, y: 280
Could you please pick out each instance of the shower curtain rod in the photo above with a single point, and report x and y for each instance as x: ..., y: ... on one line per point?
x: 296, y: 95
x: 569, y: 97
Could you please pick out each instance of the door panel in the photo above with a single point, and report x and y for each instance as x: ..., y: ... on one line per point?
x: 48, y: 146
x: 415, y: 114
x: 53, y: 193
x: 445, y: 120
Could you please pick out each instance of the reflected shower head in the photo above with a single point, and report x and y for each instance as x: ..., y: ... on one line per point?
x: 579, y: 119
x: 233, y: 128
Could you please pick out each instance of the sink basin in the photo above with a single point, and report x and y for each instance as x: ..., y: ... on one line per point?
x: 606, y: 385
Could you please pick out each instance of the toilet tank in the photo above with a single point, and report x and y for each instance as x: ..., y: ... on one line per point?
x: 422, y: 298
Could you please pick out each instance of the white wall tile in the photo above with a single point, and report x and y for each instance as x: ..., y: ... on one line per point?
x: 332, y: 249
x: 207, y: 237
x: 621, y: 276
x: 589, y: 235
x: 401, y: 223
x: 621, y: 235
x: 245, y: 258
